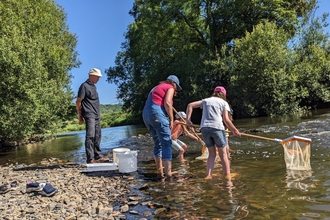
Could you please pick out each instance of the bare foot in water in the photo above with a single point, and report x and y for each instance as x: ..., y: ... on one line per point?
x: 233, y: 175
x: 208, y: 177
x: 230, y: 176
x: 182, y: 160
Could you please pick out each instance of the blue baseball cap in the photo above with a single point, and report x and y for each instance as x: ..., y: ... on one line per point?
x: 175, y: 79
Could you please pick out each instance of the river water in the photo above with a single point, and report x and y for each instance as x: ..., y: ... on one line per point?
x: 262, y: 187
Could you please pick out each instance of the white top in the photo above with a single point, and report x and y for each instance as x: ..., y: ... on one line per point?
x: 213, y: 108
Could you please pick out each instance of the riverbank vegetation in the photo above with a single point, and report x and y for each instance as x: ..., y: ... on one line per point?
x: 111, y: 115
x: 37, y: 51
x: 273, y: 57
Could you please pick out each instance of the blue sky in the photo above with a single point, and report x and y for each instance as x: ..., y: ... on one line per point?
x: 100, y: 26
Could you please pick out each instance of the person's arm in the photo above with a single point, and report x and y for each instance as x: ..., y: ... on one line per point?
x: 168, y: 105
x: 189, y: 110
x: 229, y: 124
x: 78, y: 108
x: 186, y: 132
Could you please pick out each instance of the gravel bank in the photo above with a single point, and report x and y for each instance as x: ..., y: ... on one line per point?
x: 96, y: 195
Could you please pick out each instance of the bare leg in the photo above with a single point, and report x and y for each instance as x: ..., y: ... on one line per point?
x: 168, y: 167
x: 227, y: 148
x: 159, y: 166
x: 210, y: 162
x: 225, y: 162
x: 181, y: 153
x: 184, y: 147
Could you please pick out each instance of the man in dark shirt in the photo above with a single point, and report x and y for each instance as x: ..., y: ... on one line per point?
x: 88, y: 109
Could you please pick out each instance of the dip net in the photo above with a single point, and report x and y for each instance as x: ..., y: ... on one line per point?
x: 297, y: 152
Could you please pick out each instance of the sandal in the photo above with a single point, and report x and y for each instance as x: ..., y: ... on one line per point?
x: 48, y: 190
x: 3, y: 189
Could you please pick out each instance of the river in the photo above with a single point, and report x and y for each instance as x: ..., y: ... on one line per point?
x: 262, y: 187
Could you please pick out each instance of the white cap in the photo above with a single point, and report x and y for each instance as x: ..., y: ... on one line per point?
x: 95, y: 72
x: 182, y: 114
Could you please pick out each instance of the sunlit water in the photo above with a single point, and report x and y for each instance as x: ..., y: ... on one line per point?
x: 262, y: 187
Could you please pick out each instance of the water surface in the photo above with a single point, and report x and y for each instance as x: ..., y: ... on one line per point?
x: 262, y: 187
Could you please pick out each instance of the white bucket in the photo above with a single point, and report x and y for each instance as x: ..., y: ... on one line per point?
x: 116, y: 151
x: 127, y: 161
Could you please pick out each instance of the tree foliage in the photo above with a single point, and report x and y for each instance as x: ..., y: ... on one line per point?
x: 36, y: 52
x: 255, y: 48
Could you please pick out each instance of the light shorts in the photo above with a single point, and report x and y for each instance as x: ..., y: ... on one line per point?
x: 177, y: 144
x: 212, y: 136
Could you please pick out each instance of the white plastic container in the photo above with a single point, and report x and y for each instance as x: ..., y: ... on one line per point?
x: 101, y: 167
x: 118, y: 150
x: 127, y: 161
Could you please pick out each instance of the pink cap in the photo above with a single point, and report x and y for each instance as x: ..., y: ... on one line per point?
x: 220, y: 89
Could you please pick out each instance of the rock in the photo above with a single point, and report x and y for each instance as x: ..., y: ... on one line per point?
x: 134, y: 212
x: 144, y: 187
x: 160, y: 210
x: 133, y: 203
x: 124, y: 208
x: 134, y: 198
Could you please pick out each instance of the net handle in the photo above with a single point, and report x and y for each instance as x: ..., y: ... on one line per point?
x: 242, y: 134
x: 260, y: 137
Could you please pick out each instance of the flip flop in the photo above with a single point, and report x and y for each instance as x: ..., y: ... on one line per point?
x: 32, y: 187
x: 13, y: 185
x: 3, y: 189
x: 48, y: 190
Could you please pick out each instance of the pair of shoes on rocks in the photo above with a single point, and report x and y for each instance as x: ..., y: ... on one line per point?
x: 45, y: 189
x: 5, y: 189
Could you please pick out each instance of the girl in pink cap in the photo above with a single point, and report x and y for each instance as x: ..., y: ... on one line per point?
x: 214, y: 119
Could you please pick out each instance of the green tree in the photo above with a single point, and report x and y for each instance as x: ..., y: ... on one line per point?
x: 185, y: 37
x: 262, y: 81
x: 312, y: 59
x: 36, y: 52
x: 274, y: 74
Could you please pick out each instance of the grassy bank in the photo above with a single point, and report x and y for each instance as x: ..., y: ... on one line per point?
x: 107, y: 120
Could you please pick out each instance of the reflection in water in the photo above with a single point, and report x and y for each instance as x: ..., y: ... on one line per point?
x: 299, y: 179
x: 58, y: 148
x: 69, y: 146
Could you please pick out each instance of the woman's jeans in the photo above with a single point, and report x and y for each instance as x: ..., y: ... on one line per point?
x: 158, y: 125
